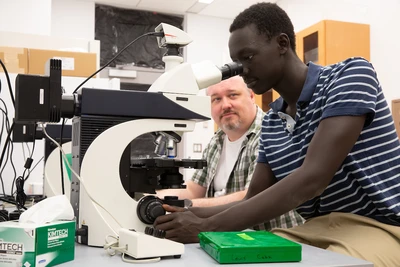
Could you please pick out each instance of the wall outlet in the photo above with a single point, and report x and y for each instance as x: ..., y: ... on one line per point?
x: 197, y: 148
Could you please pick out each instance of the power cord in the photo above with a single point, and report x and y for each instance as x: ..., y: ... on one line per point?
x: 8, y: 145
x: 10, y: 202
x: 4, y: 113
x: 159, y: 34
x: 20, y: 197
x: 8, y: 140
x: 31, y: 170
x: 8, y: 82
x: 61, y: 159
x: 112, y: 247
x: 81, y: 180
x: 26, y: 178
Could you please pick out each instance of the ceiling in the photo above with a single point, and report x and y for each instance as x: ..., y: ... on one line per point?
x: 218, y: 8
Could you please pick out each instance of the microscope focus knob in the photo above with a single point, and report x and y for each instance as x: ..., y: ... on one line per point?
x: 155, y: 210
x: 154, y: 232
x: 149, y: 230
x: 149, y: 208
x: 159, y: 233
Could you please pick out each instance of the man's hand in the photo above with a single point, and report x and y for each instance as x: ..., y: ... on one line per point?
x: 181, y: 227
x: 173, y: 209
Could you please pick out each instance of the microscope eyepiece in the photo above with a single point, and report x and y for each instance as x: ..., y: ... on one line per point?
x: 231, y: 69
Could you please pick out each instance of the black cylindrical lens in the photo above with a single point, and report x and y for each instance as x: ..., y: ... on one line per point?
x: 231, y: 69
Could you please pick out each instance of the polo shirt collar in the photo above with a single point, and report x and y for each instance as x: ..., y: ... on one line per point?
x: 306, y: 92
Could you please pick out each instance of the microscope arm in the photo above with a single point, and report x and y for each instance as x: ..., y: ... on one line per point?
x: 101, y: 179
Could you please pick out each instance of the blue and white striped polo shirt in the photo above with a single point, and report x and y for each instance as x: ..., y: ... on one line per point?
x: 368, y: 181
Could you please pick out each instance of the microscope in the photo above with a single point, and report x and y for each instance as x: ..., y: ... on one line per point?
x: 104, y: 123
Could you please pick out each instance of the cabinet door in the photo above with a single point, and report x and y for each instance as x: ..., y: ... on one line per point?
x: 310, y: 44
x: 396, y: 115
x: 329, y: 42
x: 346, y: 39
x: 265, y: 99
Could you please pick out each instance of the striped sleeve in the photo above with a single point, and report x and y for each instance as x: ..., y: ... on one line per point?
x: 352, y: 91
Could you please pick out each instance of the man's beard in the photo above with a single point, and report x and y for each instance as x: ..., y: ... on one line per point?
x: 231, y: 125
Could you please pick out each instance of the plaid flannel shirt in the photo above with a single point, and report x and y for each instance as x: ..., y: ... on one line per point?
x: 242, y: 173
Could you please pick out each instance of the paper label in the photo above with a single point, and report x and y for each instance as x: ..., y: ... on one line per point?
x: 245, y: 237
x: 67, y: 63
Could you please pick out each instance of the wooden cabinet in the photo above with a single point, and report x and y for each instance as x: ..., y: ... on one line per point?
x: 265, y: 99
x: 330, y: 41
x: 396, y: 115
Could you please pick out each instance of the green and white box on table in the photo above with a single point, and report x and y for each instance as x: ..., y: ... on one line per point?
x: 33, y: 245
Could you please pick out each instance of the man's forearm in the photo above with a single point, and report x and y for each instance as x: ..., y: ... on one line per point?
x: 217, y: 201
x: 180, y: 193
x: 205, y: 212
x: 206, y: 207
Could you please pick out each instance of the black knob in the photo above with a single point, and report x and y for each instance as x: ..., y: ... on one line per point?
x: 155, y: 210
x: 159, y: 233
x: 15, y: 215
x: 170, y: 198
x: 149, y: 230
x: 149, y: 208
x: 3, y: 215
x: 173, y: 201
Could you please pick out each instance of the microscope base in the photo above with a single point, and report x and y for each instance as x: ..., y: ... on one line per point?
x: 141, y: 246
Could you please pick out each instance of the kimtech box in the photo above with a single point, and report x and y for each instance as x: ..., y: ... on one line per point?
x: 32, y: 245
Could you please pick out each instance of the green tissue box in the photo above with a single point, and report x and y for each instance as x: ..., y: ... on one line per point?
x: 33, y: 245
x: 249, y: 247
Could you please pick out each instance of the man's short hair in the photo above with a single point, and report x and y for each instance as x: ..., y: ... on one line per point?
x: 236, y: 79
x: 269, y: 19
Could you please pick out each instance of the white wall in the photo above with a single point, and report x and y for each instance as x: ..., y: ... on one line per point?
x: 210, y: 39
x: 383, y: 18
x: 49, y: 24
x: 210, y: 42
x: 72, y: 19
x: 61, y: 18
x: 26, y: 16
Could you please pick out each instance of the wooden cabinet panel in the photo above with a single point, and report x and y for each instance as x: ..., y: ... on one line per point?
x: 318, y: 29
x: 396, y: 115
x: 344, y: 40
x: 333, y: 41
x: 265, y: 99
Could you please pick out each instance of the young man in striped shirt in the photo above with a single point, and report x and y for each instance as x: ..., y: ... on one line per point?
x: 328, y: 148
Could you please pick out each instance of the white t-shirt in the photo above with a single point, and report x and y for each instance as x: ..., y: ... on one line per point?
x: 227, y: 160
